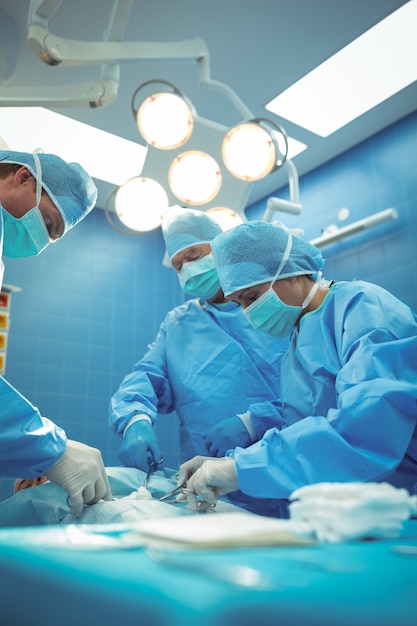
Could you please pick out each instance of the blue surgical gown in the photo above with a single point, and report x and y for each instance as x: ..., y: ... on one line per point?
x: 29, y: 443
x: 348, y: 400
x: 207, y: 363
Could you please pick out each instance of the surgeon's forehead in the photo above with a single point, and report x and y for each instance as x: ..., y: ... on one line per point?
x: 190, y: 252
x: 248, y: 292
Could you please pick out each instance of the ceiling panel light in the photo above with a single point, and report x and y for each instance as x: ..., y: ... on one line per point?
x: 140, y: 204
x: 194, y: 177
x: 366, y: 72
x: 105, y: 156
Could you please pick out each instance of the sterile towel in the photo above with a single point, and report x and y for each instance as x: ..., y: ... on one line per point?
x: 347, y: 511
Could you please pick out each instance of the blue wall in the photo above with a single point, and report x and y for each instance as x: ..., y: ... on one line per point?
x: 90, y: 304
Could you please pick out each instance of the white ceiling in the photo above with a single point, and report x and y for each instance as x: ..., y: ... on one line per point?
x: 257, y: 48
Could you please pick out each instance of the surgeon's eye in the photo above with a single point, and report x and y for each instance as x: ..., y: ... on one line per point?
x: 250, y: 299
x: 50, y: 228
x: 192, y: 257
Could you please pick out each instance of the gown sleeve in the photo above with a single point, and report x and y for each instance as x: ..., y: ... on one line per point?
x: 29, y: 443
x: 145, y: 390
x: 365, y: 432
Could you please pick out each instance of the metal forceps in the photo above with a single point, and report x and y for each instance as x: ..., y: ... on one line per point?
x: 172, y: 495
x: 153, y: 466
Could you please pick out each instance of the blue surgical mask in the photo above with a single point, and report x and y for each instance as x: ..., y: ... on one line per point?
x: 272, y: 316
x: 24, y: 236
x: 199, y: 278
x: 27, y: 235
x: 269, y: 313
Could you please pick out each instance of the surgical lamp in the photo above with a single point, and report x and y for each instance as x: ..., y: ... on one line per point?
x: 194, y: 177
x: 169, y: 171
x: 198, y: 162
x: 254, y: 149
x: 225, y: 217
x: 139, y: 205
x: 165, y: 119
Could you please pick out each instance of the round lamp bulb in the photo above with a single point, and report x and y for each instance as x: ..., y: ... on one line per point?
x: 226, y: 218
x: 165, y: 121
x: 194, y: 177
x: 249, y: 152
x: 140, y: 204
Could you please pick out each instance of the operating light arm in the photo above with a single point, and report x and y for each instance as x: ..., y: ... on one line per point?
x: 206, y: 81
x: 57, y: 51
x: 89, y: 94
x: 40, y: 11
x: 285, y: 206
x: 54, y: 50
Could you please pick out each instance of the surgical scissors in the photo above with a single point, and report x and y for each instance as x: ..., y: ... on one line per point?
x: 153, y: 466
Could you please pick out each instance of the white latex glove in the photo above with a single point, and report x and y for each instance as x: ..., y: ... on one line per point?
x: 213, y: 479
x: 80, y: 471
x: 188, y: 468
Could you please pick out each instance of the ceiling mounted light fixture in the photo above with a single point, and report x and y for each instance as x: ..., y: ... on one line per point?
x: 165, y: 118
x: 225, y: 183
x: 254, y: 149
x: 139, y: 205
x: 225, y: 217
x: 194, y: 177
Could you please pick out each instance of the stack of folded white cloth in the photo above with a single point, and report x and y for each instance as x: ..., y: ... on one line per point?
x: 346, y: 511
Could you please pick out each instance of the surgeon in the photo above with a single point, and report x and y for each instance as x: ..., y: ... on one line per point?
x: 348, y: 383
x: 41, y: 198
x: 207, y: 363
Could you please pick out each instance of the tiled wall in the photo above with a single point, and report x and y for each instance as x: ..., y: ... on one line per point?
x: 90, y: 304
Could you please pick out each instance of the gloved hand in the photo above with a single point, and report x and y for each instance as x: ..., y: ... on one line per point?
x: 80, y: 471
x: 188, y: 468
x: 213, y: 479
x: 227, y: 434
x: 140, y: 446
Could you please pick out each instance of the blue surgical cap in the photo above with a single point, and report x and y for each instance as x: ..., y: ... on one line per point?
x: 68, y: 185
x: 250, y: 254
x: 183, y: 228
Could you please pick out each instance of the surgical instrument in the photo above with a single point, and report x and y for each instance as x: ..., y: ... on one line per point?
x: 171, y: 497
x: 153, y: 466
